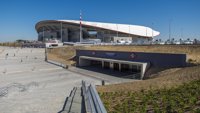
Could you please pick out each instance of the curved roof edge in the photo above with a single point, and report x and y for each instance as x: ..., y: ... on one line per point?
x: 125, y: 28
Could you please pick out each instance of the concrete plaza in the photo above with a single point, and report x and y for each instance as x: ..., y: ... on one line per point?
x: 28, y: 84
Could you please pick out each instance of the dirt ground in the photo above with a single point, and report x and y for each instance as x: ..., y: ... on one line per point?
x: 165, y: 79
x: 66, y: 53
x: 63, y: 54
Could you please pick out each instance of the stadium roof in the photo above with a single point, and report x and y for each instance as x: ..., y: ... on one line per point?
x: 123, y: 28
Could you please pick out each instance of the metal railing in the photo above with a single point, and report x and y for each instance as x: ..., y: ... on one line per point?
x: 83, y: 100
x: 92, y: 101
x: 57, y: 64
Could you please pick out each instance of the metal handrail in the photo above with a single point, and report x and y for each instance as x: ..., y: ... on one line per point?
x: 93, y: 103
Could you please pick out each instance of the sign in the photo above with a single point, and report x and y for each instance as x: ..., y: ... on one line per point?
x: 93, y: 53
x: 132, y: 55
x: 110, y: 54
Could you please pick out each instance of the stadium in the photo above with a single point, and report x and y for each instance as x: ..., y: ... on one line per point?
x: 85, y: 31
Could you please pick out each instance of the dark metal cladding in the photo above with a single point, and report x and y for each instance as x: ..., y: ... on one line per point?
x: 156, y: 60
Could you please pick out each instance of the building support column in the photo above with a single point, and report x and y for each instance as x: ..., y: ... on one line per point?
x: 43, y: 34
x: 120, y: 68
x: 130, y: 66
x: 142, y: 71
x: 102, y: 63
x: 61, y: 32
x: 111, y: 65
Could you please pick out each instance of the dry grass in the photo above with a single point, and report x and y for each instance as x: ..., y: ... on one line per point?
x: 116, y: 97
x: 58, y: 59
x: 192, y: 51
x: 166, y: 79
x: 166, y: 89
x: 11, y: 44
x: 63, y: 54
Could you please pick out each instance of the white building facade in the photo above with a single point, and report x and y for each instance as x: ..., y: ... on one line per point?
x: 69, y: 31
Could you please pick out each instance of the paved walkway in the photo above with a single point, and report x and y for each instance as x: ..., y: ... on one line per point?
x: 110, y: 77
x: 30, y: 85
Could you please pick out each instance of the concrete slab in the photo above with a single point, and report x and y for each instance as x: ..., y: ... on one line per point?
x: 97, y: 73
x: 33, y: 85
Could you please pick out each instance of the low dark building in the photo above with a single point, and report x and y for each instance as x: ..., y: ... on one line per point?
x: 136, y: 62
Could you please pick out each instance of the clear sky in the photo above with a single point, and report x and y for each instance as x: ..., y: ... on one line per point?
x: 18, y: 17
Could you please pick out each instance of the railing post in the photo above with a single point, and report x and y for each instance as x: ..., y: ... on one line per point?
x: 102, y: 82
x: 45, y: 53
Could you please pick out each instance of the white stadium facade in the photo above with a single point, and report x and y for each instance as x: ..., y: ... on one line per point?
x: 72, y: 31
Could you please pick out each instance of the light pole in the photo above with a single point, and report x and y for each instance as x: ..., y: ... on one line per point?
x: 80, y: 26
x: 117, y: 30
x: 129, y: 31
x: 170, y: 29
x: 152, y: 30
x: 146, y: 31
x: 43, y: 34
x: 182, y: 33
x: 61, y: 32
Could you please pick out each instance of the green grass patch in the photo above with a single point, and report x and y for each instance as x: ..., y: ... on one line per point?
x: 184, y: 98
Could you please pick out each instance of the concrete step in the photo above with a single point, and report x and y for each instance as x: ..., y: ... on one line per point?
x: 70, y: 100
x: 77, y: 102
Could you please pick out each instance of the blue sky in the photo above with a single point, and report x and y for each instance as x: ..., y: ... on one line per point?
x: 18, y: 17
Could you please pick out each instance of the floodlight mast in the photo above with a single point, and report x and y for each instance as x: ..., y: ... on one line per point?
x: 146, y: 31
x: 80, y: 26
x: 117, y: 30
x: 169, y: 30
x: 129, y: 30
x: 181, y: 33
x: 152, y: 30
x: 61, y: 32
x: 43, y: 33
